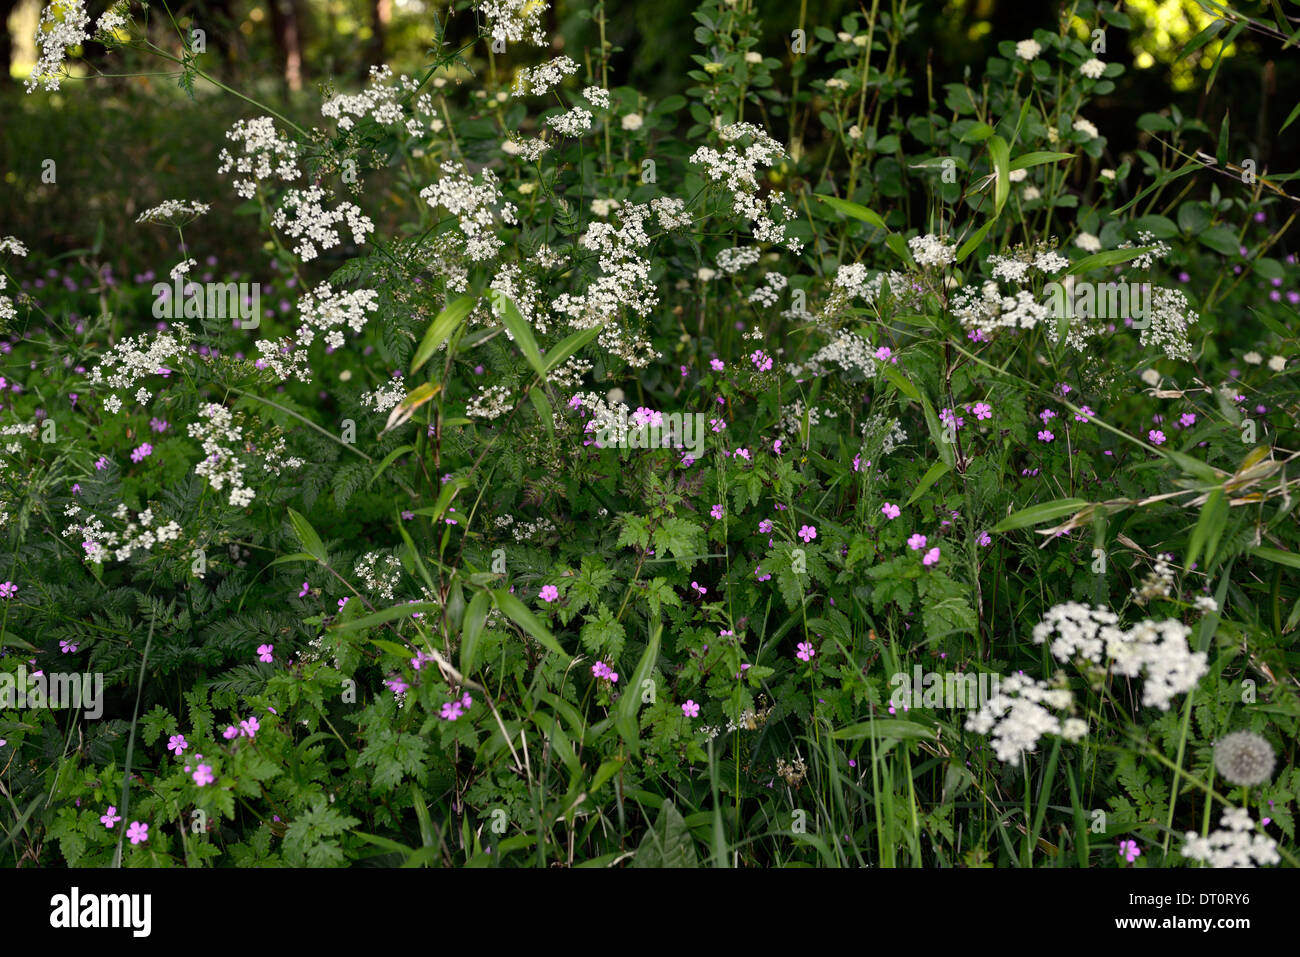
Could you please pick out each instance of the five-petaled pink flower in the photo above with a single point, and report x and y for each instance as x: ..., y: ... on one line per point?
x: 891, y: 511
x: 1156, y: 436
x: 808, y: 532
x: 983, y: 410
x: 137, y: 833
x: 451, y: 710
x: 203, y: 775
x: 716, y: 511
x: 67, y: 647
x: 177, y: 743
x: 916, y: 542
x: 1129, y: 850
x: 549, y: 593
x: 111, y: 818
x: 1045, y: 436
x: 931, y: 556
x: 762, y: 361
x: 691, y: 709
x: 805, y: 651
x: 264, y: 653
x: 142, y: 452
x: 230, y: 732
x: 249, y: 726
x: 8, y: 589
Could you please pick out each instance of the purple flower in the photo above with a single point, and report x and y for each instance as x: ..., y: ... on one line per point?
x: 549, y: 593
x: 931, y: 557
x: 203, y: 775
x: 1187, y: 419
x: 916, y: 542
x: 249, y: 726
x: 1083, y: 415
x: 451, y: 711
x: 1129, y: 851
x: 304, y: 590
x: 101, y: 463
x: 716, y: 511
x: 891, y: 511
x: 765, y: 526
x: 177, y: 743
x: 1045, y: 436
x: 716, y: 365
x: 762, y: 361
x: 8, y: 589
x: 984, y: 540
x: 983, y: 411
x: 808, y: 533
x: 805, y: 651
x: 1156, y: 436
x: 137, y: 833
x: 67, y: 647
x: 265, y: 653
x: 142, y: 452
x: 111, y: 818
x: 691, y: 709
x: 158, y: 425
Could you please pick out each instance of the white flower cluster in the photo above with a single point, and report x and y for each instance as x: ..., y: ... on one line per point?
x: 62, y: 26
x: 597, y: 96
x: 1156, y: 651
x: 524, y: 531
x: 510, y: 21
x: 610, y: 418
x: 889, y: 431
x: 770, y: 292
x: 1015, y: 268
x: 1145, y: 261
x: 263, y: 155
x: 1159, y: 581
x: 792, y: 418
x: 381, y: 579
x: 312, y: 224
x: 849, y: 351
x: 170, y: 210
x: 573, y: 123
x: 569, y: 374
x: 519, y: 289
x: 739, y: 170
x: 738, y: 258
x: 540, y: 80
x: 326, y: 311
x: 478, y: 206
x: 987, y: 309
x: 381, y: 101
x: 492, y: 402
x: 671, y: 213
x: 1236, y: 844
x: 113, y: 19
x: 1092, y: 69
x: 131, y: 359
x: 386, y: 395
x: 219, y: 436
x: 11, y: 244
x: 1171, y: 314
x: 932, y: 251
x: 1021, y: 712
x: 139, y: 534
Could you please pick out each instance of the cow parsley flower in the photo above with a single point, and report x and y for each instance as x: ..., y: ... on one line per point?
x: 1235, y: 844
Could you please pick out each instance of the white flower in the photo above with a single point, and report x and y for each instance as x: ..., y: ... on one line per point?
x: 265, y: 154
x: 1031, y: 193
x: 312, y: 224
x: 1083, y: 126
x: 1107, y: 174
x: 1088, y: 242
x: 1151, y: 377
x: 171, y: 210
x: 1017, y: 175
x: 1206, y: 604
x: 632, y: 121
x: 477, y: 205
x: 1092, y: 69
x: 603, y: 207
x: 1236, y: 844
x: 1277, y: 363
x: 1252, y: 358
x: 540, y: 80
x: 931, y: 250
x: 573, y: 123
x: 752, y: 57
x: 597, y: 97
x: 510, y: 21
x: 1028, y: 49
x: 67, y: 21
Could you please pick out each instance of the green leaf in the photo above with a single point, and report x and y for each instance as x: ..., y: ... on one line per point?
x: 388, y: 614
x: 1038, y: 158
x: 1221, y: 239
x: 974, y: 240
x: 1045, y: 512
x: 569, y: 345
x: 388, y: 460
x: 307, y: 537
x: 514, y: 609
x: 1000, y: 154
x: 1209, y: 528
x: 1107, y: 257
x: 886, y: 729
x: 900, y: 382
x: 1290, y: 559
x: 441, y: 329
x: 475, y: 616
x: 668, y: 843
x: 856, y: 210
x: 630, y: 700
x: 935, y: 472
x: 522, y: 333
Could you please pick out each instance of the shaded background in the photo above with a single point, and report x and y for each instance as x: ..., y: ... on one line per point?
x: 122, y: 144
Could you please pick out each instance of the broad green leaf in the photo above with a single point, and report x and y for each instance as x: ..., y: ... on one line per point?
x: 1045, y: 512
x: 475, y: 616
x: 1000, y: 155
x: 514, y: 609
x: 441, y: 329
x: 668, y: 843
x: 1107, y: 257
x: 308, y: 538
x: 932, y: 475
x: 522, y: 333
x: 856, y: 210
x: 1038, y: 158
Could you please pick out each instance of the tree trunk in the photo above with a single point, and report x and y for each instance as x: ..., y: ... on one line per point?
x: 381, y: 14
x: 286, y: 35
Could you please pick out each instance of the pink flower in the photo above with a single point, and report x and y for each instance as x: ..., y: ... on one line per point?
x: 111, y: 818
x: 305, y: 589
x: 808, y: 533
x: 249, y: 726
x: 699, y: 589
x: 67, y: 647
x: 264, y: 653
x: 549, y: 593
x: 1084, y: 414
x: 451, y: 711
x: 805, y: 651
x: 983, y: 411
x: 230, y: 732
x: 916, y: 542
x: 691, y: 709
x: 984, y: 539
x: 142, y: 452
x: 762, y: 361
x: 203, y: 775
x: 101, y: 463
x: 466, y: 701
x: 1156, y: 436
x: 177, y: 743
x: 891, y: 511
x: 765, y: 526
x: 716, y: 365
x: 137, y: 833
x: 1187, y: 419
x: 8, y: 590
x: 931, y: 557
x: 886, y: 354
x: 716, y: 511
x: 1129, y: 851
x: 396, y: 684
x: 1045, y: 436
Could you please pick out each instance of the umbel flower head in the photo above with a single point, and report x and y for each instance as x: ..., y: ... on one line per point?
x: 1245, y: 758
